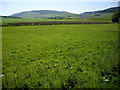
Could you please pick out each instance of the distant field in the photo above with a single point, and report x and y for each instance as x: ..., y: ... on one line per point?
x: 99, y: 19
x: 17, y: 20
x: 60, y: 56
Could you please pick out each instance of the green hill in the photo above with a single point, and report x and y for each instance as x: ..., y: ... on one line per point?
x: 52, y: 15
x: 105, y: 12
x: 44, y: 14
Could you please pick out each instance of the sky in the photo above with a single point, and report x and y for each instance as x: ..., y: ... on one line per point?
x: 75, y: 6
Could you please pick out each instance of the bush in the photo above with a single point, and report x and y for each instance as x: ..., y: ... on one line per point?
x: 116, y: 16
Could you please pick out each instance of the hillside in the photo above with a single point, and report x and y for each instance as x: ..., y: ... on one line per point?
x: 51, y: 15
x: 105, y: 12
x: 44, y: 14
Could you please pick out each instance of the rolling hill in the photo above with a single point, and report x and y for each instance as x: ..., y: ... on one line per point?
x: 44, y: 14
x: 51, y: 15
x: 105, y: 12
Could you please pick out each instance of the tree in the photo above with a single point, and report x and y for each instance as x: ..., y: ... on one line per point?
x: 116, y: 17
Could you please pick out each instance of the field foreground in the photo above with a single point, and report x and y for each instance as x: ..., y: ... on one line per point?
x: 60, y: 56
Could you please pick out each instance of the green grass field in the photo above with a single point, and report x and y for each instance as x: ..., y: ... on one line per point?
x: 60, y: 56
x: 18, y: 20
x: 99, y: 19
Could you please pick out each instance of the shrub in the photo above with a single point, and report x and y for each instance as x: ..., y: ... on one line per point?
x: 116, y: 16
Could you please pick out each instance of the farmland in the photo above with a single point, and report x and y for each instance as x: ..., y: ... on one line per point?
x: 99, y: 19
x: 60, y: 56
x: 19, y: 20
x: 26, y: 20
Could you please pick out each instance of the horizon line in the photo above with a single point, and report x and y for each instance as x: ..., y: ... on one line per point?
x: 58, y: 11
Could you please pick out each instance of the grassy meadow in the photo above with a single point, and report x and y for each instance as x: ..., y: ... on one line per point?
x: 21, y: 20
x: 99, y: 19
x: 60, y: 56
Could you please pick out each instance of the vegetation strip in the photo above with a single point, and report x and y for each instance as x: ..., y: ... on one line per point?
x: 53, y: 23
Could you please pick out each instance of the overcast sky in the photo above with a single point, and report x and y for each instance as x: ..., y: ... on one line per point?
x: 9, y: 7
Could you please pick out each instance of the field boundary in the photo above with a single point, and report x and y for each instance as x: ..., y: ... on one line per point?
x: 53, y: 23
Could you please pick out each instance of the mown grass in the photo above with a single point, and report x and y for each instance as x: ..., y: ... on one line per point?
x: 60, y: 56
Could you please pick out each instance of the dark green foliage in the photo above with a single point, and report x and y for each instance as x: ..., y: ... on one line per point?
x: 116, y: 17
